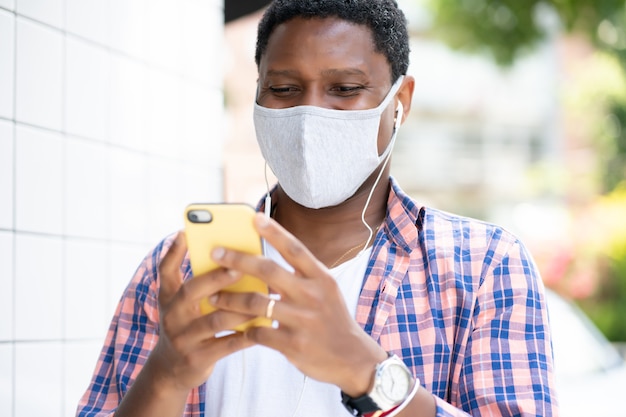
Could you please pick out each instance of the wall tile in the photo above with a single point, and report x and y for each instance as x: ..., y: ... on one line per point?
x: 85, y: 305
x: 127, y: 26
x: 199, y: 49
x: 163, y: 113
x: 80, y: 360
x: 6, y: 175
x: 163, y: 33
x: 6, y: 283
x: 46, y: 11
x: 87, y: 86
x: 38, y: 379
x: 7, y: 63
x: 39, y: 181
x: 164, y: 191
x: 85, y: 187
x: 127, y: 103
x: 88, y: 19
x: 127, y: 203
x: 202, y: 127
x: 6, y: 379
x: 38, y: 288
x: 125, y: 259
x: 39, y: 75
x: 202, y: 182
x: 9, y: 4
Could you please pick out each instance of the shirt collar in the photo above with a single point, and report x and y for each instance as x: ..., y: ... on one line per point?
x: 402, y: 214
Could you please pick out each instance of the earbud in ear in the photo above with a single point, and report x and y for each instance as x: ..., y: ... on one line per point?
x: 399, y: 113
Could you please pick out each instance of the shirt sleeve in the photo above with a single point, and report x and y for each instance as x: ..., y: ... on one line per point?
x: 507, y: 369
x: 132, y: 334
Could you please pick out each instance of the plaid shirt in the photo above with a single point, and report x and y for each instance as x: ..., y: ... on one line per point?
x: 459, y: 300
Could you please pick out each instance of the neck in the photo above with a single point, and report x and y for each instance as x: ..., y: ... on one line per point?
x: 330, y: 232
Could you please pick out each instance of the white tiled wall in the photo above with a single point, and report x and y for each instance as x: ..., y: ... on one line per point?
x: 7, y: 4
x: 87, y: 75
x: 88, y: 19
x: 45, y: 11
x: 6, y: 174
x: 7, y: 62
x: 6, y: 283
x: 110, y: 123
x: 38, y: 365
x: 39, y: 74
x: 39, y: 293
x: 6, y: 379
x: 38, y: 180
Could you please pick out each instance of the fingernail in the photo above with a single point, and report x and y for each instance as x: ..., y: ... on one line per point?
x: 218, y: 253
x: 213, y: 299
x: 232, y: 273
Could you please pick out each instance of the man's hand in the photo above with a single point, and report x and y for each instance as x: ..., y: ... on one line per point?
x: 316, y: 332
x: 187, y: 348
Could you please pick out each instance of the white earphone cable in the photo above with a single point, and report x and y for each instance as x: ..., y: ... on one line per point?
x: 396, y: 126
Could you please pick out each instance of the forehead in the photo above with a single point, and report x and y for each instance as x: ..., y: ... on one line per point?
x: 310, y: 46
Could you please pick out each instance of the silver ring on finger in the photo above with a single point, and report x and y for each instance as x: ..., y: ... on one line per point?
x: 269, y: 310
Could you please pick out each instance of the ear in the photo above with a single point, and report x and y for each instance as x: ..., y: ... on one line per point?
x: 405, y: 95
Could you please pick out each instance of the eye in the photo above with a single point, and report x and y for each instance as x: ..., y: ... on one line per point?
x: 282, y: 91
x: 347, y: 90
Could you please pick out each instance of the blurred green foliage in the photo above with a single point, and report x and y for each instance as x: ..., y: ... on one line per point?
x: 607, y: 308
x: 506, y: 30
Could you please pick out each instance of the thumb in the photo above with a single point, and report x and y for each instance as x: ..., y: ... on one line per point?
x: 169, y: 269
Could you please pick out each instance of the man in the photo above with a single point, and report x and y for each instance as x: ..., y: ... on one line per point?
x: 384, y: 307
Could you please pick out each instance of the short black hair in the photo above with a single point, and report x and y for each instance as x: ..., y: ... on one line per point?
x: 384, y: 18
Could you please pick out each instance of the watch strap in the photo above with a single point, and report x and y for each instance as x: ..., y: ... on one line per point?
x: 360, y: 405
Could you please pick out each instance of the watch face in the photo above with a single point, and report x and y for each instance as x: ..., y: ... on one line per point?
x: 395, y: 383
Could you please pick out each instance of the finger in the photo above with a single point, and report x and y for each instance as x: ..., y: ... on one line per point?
x: 294, y: 251
x: 258, y: 266
x: 201, y: 360
x: 169, y: 269
x: 213, y: 350
x: 185, y: 305
x: 206, y: 327
x: 255, y: 304
x: 251, y: 303
x: 277, y: 339
x: 205, y: 285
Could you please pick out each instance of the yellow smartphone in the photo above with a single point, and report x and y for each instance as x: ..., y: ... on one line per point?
x: 227, y: 225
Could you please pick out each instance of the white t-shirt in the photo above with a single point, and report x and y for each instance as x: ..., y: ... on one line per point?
x: 260, y: 382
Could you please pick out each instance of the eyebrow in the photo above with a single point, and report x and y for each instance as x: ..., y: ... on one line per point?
x: 343, y: 71
x: 283, y: 73
x: 328, y: 72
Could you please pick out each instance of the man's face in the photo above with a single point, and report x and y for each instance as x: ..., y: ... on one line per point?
x: 327, y: 63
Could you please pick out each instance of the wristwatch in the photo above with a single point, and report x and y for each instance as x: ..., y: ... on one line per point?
x: 393, y: 383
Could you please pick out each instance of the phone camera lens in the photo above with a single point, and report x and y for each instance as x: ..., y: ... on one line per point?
x: 200, y: 216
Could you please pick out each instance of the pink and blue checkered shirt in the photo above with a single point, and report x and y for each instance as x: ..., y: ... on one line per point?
x: 459, y: 300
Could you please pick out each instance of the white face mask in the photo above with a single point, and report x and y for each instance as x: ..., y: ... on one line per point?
x: 322, y: 156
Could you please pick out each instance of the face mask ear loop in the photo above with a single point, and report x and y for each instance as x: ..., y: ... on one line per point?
x: 268, y: 197
x: 398, y: 122
x: 267, y: 208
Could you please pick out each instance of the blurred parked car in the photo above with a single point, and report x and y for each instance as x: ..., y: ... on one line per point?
x: 590, y: 372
